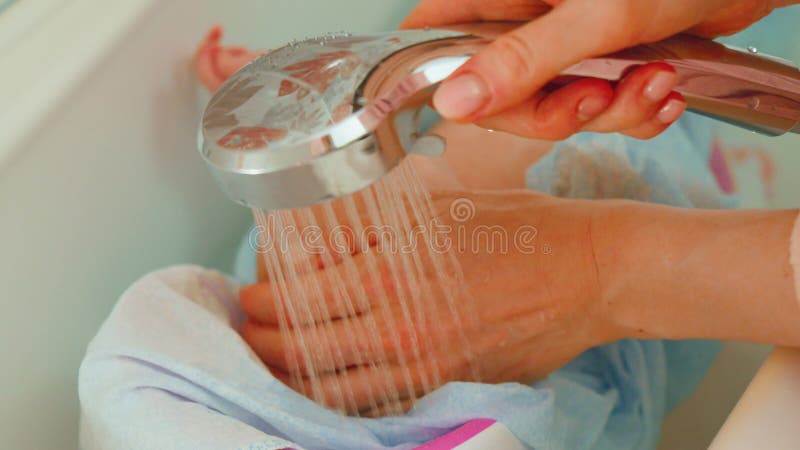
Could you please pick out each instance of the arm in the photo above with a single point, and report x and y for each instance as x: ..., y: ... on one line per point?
x: 601, y: 271
x: 677, y: 273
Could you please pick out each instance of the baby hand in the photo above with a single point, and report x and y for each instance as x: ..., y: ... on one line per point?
x: 214, y: 63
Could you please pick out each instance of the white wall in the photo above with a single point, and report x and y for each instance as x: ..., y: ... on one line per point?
x: 101, y: 183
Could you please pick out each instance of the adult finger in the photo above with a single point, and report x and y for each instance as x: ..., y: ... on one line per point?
x: 445, y: 12
x: 637, y: 98
x: 669, y: 112
x: 557, y: 115
x: 518, y: 63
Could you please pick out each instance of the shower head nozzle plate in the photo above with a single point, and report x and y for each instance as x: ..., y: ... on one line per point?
x: 295, y: 127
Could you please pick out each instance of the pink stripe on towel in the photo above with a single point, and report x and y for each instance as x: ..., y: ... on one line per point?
x: 794, y: 255
x: 458, y: 436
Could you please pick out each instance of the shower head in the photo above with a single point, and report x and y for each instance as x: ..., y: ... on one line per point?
x: 325, y: 117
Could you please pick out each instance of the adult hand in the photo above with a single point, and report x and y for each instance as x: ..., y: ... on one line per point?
x: 615, y: 269
x: 500, y: 87
x: 533, y: 311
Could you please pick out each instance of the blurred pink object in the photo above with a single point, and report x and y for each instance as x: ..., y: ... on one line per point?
x: 215, y: 63
x: 723, y: 163
x: 720, y: 169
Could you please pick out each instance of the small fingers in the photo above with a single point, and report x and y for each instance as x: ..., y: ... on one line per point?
x: 268, y: 344
x: 369, y: 338
x: 205, y: 57
x: 321, y: 295
x: 381, y: 410
x: 362, y: 380
x: 215, y: 63
x: 331, y: 299
x: 384, y: 390
x: 285, y: 353
x: 336, y: 345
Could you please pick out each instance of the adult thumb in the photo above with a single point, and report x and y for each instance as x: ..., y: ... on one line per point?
x: 518, y: 63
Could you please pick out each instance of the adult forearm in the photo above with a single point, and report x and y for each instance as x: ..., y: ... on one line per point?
x: 681, y: 273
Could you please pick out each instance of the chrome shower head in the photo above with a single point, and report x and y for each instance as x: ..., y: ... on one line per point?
x: 323, y: 118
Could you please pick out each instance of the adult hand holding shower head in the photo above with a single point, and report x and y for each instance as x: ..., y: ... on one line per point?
x: 323, y: 118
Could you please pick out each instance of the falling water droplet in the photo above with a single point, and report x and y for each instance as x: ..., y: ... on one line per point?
x: 752, y: 49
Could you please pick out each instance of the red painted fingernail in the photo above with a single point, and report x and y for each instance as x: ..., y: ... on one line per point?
x: 671, y: 111
x: 660, y: 86
x: 591, y: 107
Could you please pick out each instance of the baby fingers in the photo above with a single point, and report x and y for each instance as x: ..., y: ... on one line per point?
x: 370, y: 391
x: 310, y: 351
x: 321, y: 296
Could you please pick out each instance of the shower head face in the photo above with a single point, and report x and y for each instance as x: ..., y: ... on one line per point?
x: 295, y: 127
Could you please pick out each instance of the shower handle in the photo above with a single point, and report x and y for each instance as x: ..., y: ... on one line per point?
x: 742, y: 87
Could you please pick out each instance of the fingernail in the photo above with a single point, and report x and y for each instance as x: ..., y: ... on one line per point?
x: 660, y: 86
x: 671, y: 111
x: 591, y: 107
x: 461, y: 96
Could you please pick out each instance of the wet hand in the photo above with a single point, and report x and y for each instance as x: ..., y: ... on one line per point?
x: 528, y: 307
